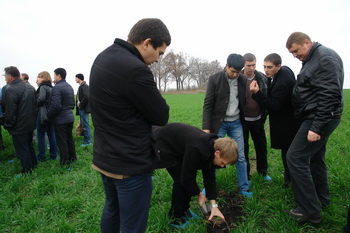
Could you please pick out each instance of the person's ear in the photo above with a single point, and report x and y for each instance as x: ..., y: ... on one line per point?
x: 147, y: 43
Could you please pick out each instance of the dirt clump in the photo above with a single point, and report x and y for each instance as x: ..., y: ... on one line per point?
x: 231, y: 208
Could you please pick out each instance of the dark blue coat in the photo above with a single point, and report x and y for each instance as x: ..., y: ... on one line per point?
x: 62, y: 104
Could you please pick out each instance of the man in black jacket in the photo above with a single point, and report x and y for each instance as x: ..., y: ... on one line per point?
x: 255, y: 116
x: 125, y: 103
x: 83, y: 108
x: 278, y: 102
x: 60, y: 113
x: 223, y: 111
x: 20, y: 117
x: 318, y: 102
x: 184, y: 149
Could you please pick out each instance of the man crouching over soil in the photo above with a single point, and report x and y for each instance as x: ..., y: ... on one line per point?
x: 184, y: 149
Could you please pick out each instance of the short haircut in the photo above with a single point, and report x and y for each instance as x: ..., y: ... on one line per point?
x: 26, y: 76
x: 80, y: 76
x: 274, y: 58
x: 228, y: 149
x: 249, y: 57
x: 62, y: 72
x: 45, y: 76
x: 297, y: 38
x: 13, y: 71
x: 150, y: 28
x: 236, y: 61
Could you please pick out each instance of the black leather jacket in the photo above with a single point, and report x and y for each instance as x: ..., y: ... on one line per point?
x: 21, y: 108
x: 318, y: 93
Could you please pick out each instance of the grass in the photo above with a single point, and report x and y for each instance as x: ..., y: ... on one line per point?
x: 54, y: 199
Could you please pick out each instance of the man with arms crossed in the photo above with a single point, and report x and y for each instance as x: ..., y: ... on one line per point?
x: 318, y: 102
x: 125, y: 103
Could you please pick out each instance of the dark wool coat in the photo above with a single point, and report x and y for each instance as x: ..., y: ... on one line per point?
x: 125, y: 103
x: 217, y: 99
x: 278, y: 103
x: 192, y: 148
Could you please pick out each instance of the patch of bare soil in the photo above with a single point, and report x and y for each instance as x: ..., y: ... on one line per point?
x: 231, y: 208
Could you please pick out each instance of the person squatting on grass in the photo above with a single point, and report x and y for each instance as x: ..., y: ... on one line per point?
x: 125, y: 103
x: 223, y: 111
x: 20, y: 104
x: 318, y: 104
x: 183, y: 150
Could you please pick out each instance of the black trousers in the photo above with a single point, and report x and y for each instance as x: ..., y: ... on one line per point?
x: 257, y: 131
x: 308, y: 170
x: 25, y: 151
x: 347, y: 226
x: 65, y: 143
x: 180, y: 200
x: 287, y: 180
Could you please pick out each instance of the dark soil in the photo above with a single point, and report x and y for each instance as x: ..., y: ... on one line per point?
x: 231, y: 208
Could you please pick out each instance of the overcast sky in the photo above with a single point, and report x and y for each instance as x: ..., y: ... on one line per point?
x: 42, y: 35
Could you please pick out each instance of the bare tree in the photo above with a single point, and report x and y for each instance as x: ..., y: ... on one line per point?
x: 177, y: 65
x: 202, y: 69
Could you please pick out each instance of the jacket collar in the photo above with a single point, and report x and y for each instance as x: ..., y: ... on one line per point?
x: 129, y: 47
x: 312, y: 50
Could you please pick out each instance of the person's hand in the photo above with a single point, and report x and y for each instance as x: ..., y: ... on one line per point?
x: 201, y: 199
x: 206, y: 130
x: 216, y: 212
x: 254, y: 87
x: 313, y: 137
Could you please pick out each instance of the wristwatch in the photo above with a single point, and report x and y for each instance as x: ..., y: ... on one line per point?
x: 215, y: 205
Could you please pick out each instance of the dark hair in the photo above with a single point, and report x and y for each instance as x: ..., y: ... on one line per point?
x: 150, y: 28
x: 62, y: 72
x: 249, y: 57
x: 236, y: 61
x: 80, y: 76
x: 297, y: 38
x: 274, y: 58
x: 26, y: 76
x: 13, y: 71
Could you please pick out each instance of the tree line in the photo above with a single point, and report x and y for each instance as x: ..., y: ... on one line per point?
x: 186, y: 71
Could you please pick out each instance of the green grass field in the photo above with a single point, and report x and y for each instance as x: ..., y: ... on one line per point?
x: 54, y: 199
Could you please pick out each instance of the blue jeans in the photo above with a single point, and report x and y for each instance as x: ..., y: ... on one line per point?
x: 234, y: 130
x: 127, y: 204
x: 50, y: 131
x: 84, y: 119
